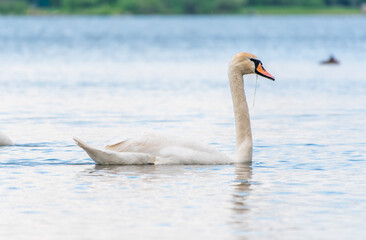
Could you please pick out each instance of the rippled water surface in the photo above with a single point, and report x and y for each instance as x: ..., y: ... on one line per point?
x: 103, y: 79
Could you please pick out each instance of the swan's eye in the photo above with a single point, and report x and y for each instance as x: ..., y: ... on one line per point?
x: 260, y: 70
x: 256, y: 62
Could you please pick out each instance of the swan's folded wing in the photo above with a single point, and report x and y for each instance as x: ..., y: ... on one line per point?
x: 107, y: 157
x: 118, y: 147
x: 149, y: 143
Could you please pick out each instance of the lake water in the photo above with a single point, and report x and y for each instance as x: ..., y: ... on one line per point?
x: 103, y: 79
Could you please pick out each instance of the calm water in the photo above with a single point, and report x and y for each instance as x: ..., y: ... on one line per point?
x: 106, y: 78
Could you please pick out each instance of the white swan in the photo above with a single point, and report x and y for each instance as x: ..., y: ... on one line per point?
x: 5, y: 140
x: 157, y: 149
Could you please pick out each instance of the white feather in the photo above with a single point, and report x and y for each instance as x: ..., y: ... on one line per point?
x: 5, y: 140
x: 106, y: 157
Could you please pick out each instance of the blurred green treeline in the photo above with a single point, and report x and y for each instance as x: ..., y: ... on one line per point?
x: 167, y: 6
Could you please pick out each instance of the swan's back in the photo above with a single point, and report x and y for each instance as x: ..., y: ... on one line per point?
x: 5, y: 140
x: 153, y: 143
x: 152, y: 148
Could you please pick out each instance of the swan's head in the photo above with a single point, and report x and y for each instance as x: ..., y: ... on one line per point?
x: 246, y: 63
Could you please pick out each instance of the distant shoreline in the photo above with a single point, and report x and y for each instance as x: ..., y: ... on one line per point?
x: 31, y: 11
x: 302, y: 10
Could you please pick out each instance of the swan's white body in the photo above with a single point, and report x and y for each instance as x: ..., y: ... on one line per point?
x: 5, y: 140
x: 163, y: 149
x: 153, y: 148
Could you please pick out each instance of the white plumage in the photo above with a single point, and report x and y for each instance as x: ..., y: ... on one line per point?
x: 5, y: 140
x: 152, y: 148
x: 164, y: 149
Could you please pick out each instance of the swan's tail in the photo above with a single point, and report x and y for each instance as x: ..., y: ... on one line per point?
x: 107, y: 157
x: 94, y: 153
x: 81, y: 143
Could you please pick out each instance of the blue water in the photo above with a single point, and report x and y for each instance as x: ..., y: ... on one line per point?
x: 103, y: 79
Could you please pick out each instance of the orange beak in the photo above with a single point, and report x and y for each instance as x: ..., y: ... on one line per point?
x: 261, y: 71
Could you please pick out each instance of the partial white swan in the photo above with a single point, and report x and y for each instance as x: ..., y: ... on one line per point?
x: 158, y: 149
x: 5, y: 140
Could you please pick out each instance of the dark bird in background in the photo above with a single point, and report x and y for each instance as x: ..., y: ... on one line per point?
x: 331, y: 60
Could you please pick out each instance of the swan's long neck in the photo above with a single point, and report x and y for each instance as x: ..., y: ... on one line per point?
x: 242, y: 121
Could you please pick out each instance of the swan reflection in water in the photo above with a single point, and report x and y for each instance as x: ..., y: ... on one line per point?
x: 181, y: 197
x: 241, y: 191
x: 241, y: 187
x: 240, y: 184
